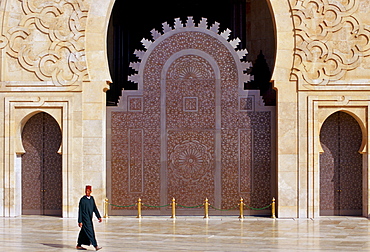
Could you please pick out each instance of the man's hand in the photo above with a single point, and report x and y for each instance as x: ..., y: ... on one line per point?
x: 80, y: 225
x: 100, y: 220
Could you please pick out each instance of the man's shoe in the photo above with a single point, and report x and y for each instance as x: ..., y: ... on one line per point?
x: 98, y: 248
x: 80, y: 248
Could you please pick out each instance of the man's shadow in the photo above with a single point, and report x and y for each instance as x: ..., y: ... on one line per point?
x: 56, y: 245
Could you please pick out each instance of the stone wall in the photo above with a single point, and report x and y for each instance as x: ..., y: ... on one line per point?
x: 44, y: 68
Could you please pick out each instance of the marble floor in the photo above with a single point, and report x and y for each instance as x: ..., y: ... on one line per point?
x: 42, y: 233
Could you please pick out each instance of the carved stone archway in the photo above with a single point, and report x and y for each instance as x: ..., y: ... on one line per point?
x: 75, y: 42
x: 284, y: 61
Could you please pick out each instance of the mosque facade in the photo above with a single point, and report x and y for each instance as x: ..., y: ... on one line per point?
x: 194, y: 126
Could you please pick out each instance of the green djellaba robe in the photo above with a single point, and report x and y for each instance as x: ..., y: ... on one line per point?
x: 85, y: 214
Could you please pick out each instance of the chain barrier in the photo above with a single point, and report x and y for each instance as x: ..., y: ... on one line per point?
x: 219, y: 209
x: 206, y: 204
x: 262, y: 208
x: 156, y: 206
x: 190, y: 206
x: 122, y: 206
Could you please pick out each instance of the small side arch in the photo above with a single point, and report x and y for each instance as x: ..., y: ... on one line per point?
x: 41, y: 166
x: 19, y: 149
x: 341, y: 172
x: 360, y: 122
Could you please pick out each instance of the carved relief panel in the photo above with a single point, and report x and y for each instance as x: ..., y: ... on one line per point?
x: 332, y: 43
x: 190, y: 131
x: 44, y: 44
x: 189, y: 121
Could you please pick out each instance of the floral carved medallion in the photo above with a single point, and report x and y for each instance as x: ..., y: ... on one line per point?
x: 192, y: 160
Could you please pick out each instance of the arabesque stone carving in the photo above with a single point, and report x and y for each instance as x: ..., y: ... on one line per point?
x: 48, y: 40
x: 331, y: 39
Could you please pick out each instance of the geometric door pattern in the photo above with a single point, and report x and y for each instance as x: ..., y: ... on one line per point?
x: 41, y: 166
x: 190, y: 131
x: 340, y: 166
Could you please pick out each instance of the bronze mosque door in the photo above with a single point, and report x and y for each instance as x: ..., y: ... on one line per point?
x: 41, y: 166
x: 190, y: 131
x: 340, y: 166
x: 189, y: 122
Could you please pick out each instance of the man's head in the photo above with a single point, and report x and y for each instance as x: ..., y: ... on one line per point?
x: 88, y: 190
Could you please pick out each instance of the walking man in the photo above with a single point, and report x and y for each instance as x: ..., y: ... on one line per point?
x: 85, y: 214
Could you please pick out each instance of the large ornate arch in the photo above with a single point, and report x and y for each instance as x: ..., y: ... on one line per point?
x: 167, y: 118
x: 80, y: 94
x: 281, y: 11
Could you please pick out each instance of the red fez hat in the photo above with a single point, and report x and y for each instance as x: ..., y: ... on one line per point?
x: 88, y: 187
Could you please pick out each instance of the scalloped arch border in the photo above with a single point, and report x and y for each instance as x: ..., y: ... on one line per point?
x: 97, y: 29
x: 182, y: 26
x: 355, y: 116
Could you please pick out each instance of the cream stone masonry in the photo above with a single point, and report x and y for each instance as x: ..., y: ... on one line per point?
x: 331, y: 54
x: 332, y: 44
x: 286, y: 112
x: 44, y: 68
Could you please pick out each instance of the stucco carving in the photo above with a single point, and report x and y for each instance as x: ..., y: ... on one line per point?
x: 47, y: 40
x: 331, y: 39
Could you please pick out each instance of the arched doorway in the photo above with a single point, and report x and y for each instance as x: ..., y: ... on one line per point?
x: 283, y: 27
x: 243, y: 18
x: 340, y: 166
x: 41, y: 166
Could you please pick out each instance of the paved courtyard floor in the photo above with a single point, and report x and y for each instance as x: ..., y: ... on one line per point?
x: 42, y: 233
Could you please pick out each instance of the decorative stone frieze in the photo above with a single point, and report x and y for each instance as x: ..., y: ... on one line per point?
x: 47, y: 39
x: 332, y: 40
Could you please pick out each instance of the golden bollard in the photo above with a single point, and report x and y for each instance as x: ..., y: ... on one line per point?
x: 206, y: 204
x: 106, y: 204
x: 241, y: 207
x: 273, y: 208
x: 173, y: 208
x: 139, y: 208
